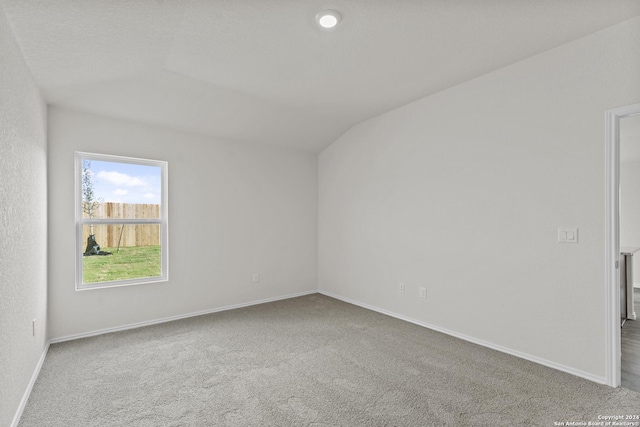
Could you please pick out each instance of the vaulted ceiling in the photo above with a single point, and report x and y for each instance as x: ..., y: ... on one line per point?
x: 262, y: 71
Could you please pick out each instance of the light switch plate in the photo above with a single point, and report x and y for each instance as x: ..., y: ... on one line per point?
x: 567, y: 235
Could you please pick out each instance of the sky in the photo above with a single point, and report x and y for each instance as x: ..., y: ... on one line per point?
x: 125, y: 182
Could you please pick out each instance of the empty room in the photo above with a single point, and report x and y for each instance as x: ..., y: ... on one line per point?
x: 319, y: 213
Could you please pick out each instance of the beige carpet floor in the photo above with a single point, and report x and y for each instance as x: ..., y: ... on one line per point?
x: 308, y: 361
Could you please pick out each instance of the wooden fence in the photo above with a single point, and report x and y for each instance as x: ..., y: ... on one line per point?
x: 108, y: 236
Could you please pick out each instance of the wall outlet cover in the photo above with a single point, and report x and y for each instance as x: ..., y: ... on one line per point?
x: 567, y: 235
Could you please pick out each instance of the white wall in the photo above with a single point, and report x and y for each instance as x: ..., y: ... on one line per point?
x: 234, y: 209
x: 630, y: 211
x: 23, y: 225
x: 462, y: 192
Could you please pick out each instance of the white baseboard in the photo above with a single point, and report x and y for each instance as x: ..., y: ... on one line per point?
x: 178, y: 317
x: 567, y: 369
x: 27, y: 392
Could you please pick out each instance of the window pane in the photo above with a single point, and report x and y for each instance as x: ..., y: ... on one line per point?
x: 121, y: 252
x: 120, y: 190
x: 121, y: 213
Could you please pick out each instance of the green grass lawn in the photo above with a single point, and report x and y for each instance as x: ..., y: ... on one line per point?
x: 128, y: 263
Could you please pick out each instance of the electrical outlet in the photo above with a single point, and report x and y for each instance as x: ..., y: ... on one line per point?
x: 255, y: 278
x: 401, y: 288
x: 567, y: 235
x: 423, y: 293
x: 33, y: 327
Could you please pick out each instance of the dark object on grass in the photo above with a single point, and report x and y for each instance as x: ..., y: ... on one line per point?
x: 93, y: 248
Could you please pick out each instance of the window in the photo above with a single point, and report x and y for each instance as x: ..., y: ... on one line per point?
x: 121, y: 221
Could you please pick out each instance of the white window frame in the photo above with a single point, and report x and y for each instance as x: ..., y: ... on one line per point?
x: 81, y: 222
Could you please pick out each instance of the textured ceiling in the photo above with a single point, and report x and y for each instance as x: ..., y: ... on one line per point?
x: 261, y: 70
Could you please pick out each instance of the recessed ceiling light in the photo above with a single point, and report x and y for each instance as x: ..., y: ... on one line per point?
x: 328, y: 18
